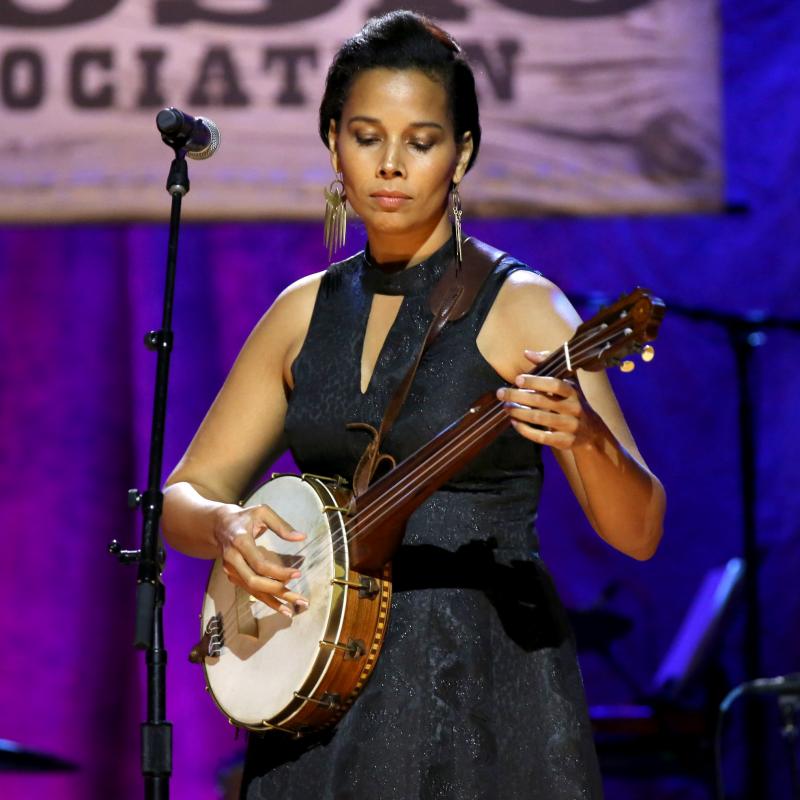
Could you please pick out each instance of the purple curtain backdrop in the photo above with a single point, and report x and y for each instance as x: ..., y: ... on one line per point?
x: 76, y: 397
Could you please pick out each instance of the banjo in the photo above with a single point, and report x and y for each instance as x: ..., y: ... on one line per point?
x: 266, y: 671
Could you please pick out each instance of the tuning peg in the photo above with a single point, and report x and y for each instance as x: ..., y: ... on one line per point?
x: 648, y: 353
x: 627, y: 366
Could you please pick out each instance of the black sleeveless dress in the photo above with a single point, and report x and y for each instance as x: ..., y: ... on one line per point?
x: 477, y: 693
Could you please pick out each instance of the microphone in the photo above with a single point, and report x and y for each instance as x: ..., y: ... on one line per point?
x: 781, y: 685
x: 198, y: 136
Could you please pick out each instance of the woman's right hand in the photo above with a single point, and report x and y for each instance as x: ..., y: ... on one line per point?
x: 251, y: 566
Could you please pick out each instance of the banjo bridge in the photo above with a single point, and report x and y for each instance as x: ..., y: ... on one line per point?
x: 246, y: 608
x: 339, y: 641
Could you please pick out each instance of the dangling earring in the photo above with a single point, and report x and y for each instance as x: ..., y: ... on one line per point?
x: 456, y: 207
x: 335, y: 216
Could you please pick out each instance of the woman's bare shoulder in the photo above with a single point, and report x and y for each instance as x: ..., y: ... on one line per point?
x: 298, y: 297
x: 530, y: 312
x: 287, y: 319
x: 530, y: 297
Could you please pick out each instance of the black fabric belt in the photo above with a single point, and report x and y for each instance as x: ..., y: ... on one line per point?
x: 480, y: 564
x: 516, y: 584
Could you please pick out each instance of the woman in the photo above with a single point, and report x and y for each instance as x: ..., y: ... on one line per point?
x: 477, y: 693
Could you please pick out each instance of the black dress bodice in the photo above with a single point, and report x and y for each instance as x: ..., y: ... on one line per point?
x: 451, y: 375
x: 477, y: 693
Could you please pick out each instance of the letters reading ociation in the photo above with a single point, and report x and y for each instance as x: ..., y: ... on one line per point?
x: 218, y: 79
x: 93, y: 71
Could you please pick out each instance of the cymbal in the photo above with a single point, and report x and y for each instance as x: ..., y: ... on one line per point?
x: 16, y: 758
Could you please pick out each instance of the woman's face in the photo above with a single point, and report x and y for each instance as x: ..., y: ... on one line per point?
x: 397, y: 153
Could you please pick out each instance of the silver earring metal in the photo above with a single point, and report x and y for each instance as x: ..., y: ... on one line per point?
x: 335, y: 216
x: 456, y: 208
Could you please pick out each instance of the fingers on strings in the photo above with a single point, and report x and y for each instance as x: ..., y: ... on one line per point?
x: 544, y: 410
x: 264, y: 575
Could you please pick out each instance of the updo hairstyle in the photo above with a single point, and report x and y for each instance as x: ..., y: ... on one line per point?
x: 403, y: 40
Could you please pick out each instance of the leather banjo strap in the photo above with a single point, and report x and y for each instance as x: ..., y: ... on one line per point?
x: 450, y: 299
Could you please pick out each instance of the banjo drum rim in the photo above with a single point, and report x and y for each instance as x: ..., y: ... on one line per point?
x: 337, y: 600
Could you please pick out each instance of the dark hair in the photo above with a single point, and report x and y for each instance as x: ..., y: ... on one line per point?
x: 404, y: 40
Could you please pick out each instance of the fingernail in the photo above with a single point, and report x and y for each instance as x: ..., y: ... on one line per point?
x: 501, y: 393
x: 299, y: 533
x: 520, y: 380
x: 301, y: 605
x: 296, y: 574
x: 285, y: 610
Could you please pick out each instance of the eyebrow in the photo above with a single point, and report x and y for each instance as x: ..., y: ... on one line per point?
x: 376, y: 121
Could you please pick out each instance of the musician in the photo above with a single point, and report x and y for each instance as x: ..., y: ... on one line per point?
x: 477, y: 693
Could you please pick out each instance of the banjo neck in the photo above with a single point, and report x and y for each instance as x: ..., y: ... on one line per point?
x: 330, y: 650
x: 378, y: 521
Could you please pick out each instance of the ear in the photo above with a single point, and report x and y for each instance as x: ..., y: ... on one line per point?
x: 332, y: 139
x: 464, y: 155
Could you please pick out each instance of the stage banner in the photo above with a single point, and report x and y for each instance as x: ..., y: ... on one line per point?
x: 588, y: 106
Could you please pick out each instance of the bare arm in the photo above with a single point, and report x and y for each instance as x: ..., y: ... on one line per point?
x: 582, y: 422
x: 240, y: 436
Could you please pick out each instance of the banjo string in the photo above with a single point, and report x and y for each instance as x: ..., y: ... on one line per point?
x: 383, y: 506
x: 314, y: 552
x: 483, y: 424
x: 316, y: 549
x: 561, y: 362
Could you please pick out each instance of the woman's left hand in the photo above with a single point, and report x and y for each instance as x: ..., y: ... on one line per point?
x: 550, y: 411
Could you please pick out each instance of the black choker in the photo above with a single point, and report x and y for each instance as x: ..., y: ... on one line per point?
x: 407, y: 281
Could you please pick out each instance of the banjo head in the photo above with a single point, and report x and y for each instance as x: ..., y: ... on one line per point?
x: 259, y: 659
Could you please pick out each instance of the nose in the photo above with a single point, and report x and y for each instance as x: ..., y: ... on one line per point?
x: 391, y: 163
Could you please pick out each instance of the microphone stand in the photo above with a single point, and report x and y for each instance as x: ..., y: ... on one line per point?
x: 156, y: 732
x: 745, y: 333
x: 789, y: 707
x: 787, y: 691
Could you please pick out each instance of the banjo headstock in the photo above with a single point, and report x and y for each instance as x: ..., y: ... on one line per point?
x: 615, y: 332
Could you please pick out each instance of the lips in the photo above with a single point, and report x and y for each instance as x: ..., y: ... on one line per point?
x: 390, y: 200
x: 388, y: 193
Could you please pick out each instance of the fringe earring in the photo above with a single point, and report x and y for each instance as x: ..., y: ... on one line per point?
x: 335, y: 216
x: 456, y: 208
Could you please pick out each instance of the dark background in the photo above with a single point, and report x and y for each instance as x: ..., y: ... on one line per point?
x: 75, y: 399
